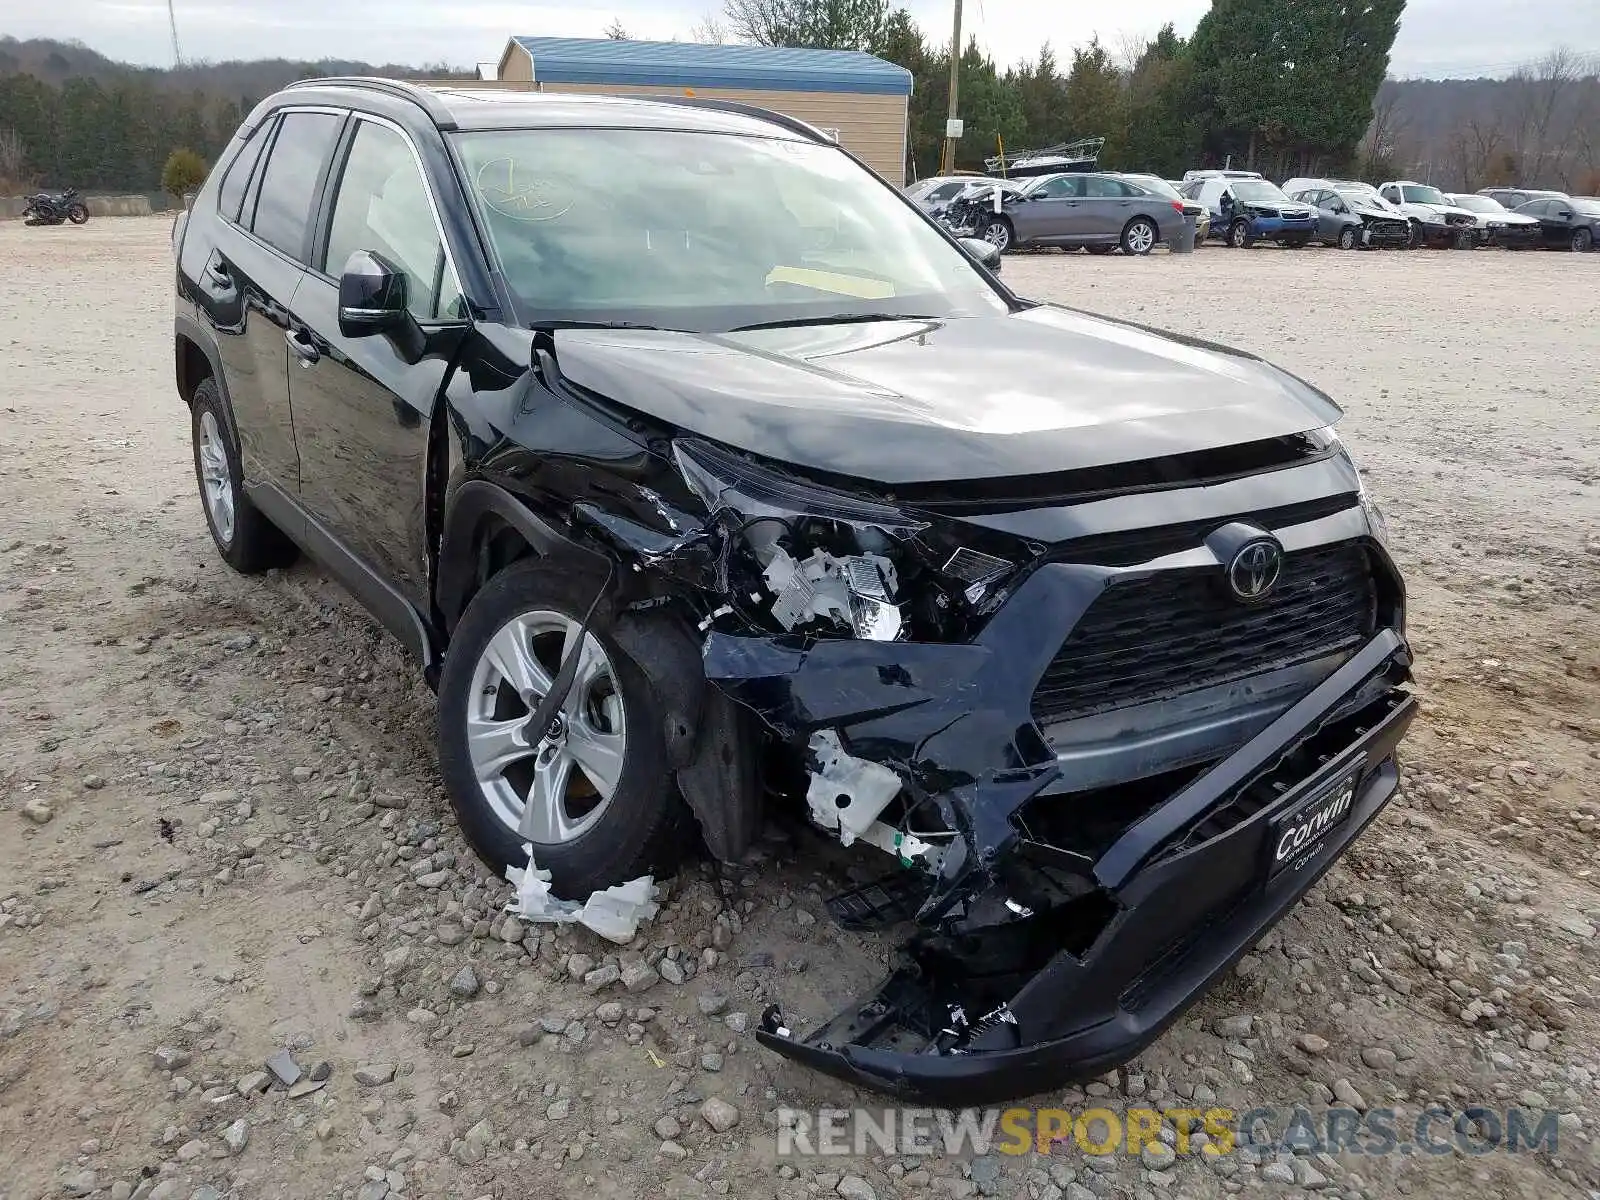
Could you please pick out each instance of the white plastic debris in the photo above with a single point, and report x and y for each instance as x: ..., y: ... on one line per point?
x: 614, y: 912
x: 847, y: 793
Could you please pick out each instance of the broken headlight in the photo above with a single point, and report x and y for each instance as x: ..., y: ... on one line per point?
x: 1376, y: 521
x: 826, y: 559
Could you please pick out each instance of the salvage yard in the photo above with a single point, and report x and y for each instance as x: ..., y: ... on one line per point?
x: 223, y: 834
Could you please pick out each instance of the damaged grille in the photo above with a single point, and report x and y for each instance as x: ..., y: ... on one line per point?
x: 1177, y: 631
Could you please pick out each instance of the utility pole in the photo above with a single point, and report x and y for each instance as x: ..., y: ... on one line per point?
x: 948, y: 162
x: 172, y: 22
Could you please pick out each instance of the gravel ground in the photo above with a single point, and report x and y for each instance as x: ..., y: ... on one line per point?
x: 223, y: 832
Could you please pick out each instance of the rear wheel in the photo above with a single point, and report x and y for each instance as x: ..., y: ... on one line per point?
x: 1582, y: 240
x: 1347, y: 238
x: 1239, y: 234
x: 1139, y: 236
x: 246, y: 539
x: 77, y: 213
x: 596, y: 779
x: 997, y: 232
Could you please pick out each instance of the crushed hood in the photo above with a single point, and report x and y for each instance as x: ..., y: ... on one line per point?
x: 1026, y: 393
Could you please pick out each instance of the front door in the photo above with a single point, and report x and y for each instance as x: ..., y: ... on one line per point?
x: 362, y: 412
x: 1050, y: 214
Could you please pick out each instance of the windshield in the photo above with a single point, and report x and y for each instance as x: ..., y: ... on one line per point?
x: 1416, y: 193
x: 1151, y: 183
x: 1256, y: 189
x: 706, y: 232
x: 1483, y: 204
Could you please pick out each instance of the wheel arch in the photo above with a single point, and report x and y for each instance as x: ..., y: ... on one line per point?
x: 195, y: 360
x: 483, y: 530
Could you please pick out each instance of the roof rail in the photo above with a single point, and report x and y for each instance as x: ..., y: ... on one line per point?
x: 423, y: 98
x: 809, y: 132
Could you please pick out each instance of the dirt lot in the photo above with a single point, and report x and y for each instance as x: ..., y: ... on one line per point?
x: 219, y: 799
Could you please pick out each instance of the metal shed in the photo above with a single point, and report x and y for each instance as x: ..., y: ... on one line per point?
x: 863, y: 99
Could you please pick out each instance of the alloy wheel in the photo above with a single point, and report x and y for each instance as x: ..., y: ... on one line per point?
x: 568, y: 771
x: 998, y: 235
x: 1141, y: 237
x: 216, y: 477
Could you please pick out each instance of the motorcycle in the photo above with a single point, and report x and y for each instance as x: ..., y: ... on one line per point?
x: 47, y: 209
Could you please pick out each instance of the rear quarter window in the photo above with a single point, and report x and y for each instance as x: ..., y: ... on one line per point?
x: 234, y: 183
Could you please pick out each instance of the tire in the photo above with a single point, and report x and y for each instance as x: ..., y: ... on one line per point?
x: 1139, y: 236
x: 1414, y: 235
x: 77, y: 213
x: 1347, y: 238
x: 1582, y: 241
x: 997, y: 232
x: 1239, y: 235
x: 616, y: 837
x: 247, y: 541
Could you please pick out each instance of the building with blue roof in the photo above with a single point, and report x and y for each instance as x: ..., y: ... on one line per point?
x: 861, y: 100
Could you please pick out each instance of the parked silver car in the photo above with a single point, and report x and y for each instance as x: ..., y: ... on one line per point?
x: 1096, y: 210
x: 935, y: 191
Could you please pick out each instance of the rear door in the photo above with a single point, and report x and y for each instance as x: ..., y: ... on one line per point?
x: 362, y: 412
x: 1107, y: 206
x: 251, y: 274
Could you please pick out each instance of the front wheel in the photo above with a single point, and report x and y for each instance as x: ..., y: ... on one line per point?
x: 603, y: 809
x: 77, y: 213
x: 1139, y: 236
x: 1239, y: 234
x: 1413, y: 234
x: 1582, y: 240
x: 997, y: 232
x: 1347, y: 238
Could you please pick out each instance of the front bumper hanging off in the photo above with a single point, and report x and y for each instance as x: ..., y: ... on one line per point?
x: 999, y: 999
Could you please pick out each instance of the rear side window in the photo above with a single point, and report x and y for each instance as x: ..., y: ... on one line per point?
x: 237, y: 179
x: 1101, y: 188
x: 289, y: 181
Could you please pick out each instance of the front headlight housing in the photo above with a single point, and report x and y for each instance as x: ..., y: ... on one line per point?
x: 820, y: 559
x: 1379, y: 524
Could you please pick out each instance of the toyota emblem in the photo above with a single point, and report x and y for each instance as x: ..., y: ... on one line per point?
x: 1255, y: 568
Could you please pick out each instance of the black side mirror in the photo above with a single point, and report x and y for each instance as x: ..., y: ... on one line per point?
x: 987, y: 254
x: 372, y: 296
x: 1564, y: 213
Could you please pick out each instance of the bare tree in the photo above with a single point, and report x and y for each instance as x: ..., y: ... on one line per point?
x: 13, y: 158
x: 708, y: 31
x: 1127, y: 49
x: 616, y: 32
x: 834, y: 24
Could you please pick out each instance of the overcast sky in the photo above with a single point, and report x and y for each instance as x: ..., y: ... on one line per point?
x: 1437, y: 37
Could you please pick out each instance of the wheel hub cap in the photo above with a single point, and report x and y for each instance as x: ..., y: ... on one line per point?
x: 559, y: 780
x: 216, y: 479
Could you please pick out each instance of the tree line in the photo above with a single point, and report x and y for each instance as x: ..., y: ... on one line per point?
x: 1280, y: 88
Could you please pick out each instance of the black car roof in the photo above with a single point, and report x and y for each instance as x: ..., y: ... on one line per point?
x: 496, y: 108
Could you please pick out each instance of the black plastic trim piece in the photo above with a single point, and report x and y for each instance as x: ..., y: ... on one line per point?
x: 392, y: 610
x: 438, y: 111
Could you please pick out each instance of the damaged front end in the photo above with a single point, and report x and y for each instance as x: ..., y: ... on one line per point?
x: 1098, y: 769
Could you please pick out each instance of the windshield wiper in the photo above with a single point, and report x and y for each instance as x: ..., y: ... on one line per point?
x: 834, y: 319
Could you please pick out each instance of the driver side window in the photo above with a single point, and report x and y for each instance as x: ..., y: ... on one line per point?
x: 382, y: 206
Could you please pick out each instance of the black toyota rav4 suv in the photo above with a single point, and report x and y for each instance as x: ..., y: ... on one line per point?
x: 703, y: 474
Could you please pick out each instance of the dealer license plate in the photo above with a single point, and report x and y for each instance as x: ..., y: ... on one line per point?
x: 1297, y: 835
